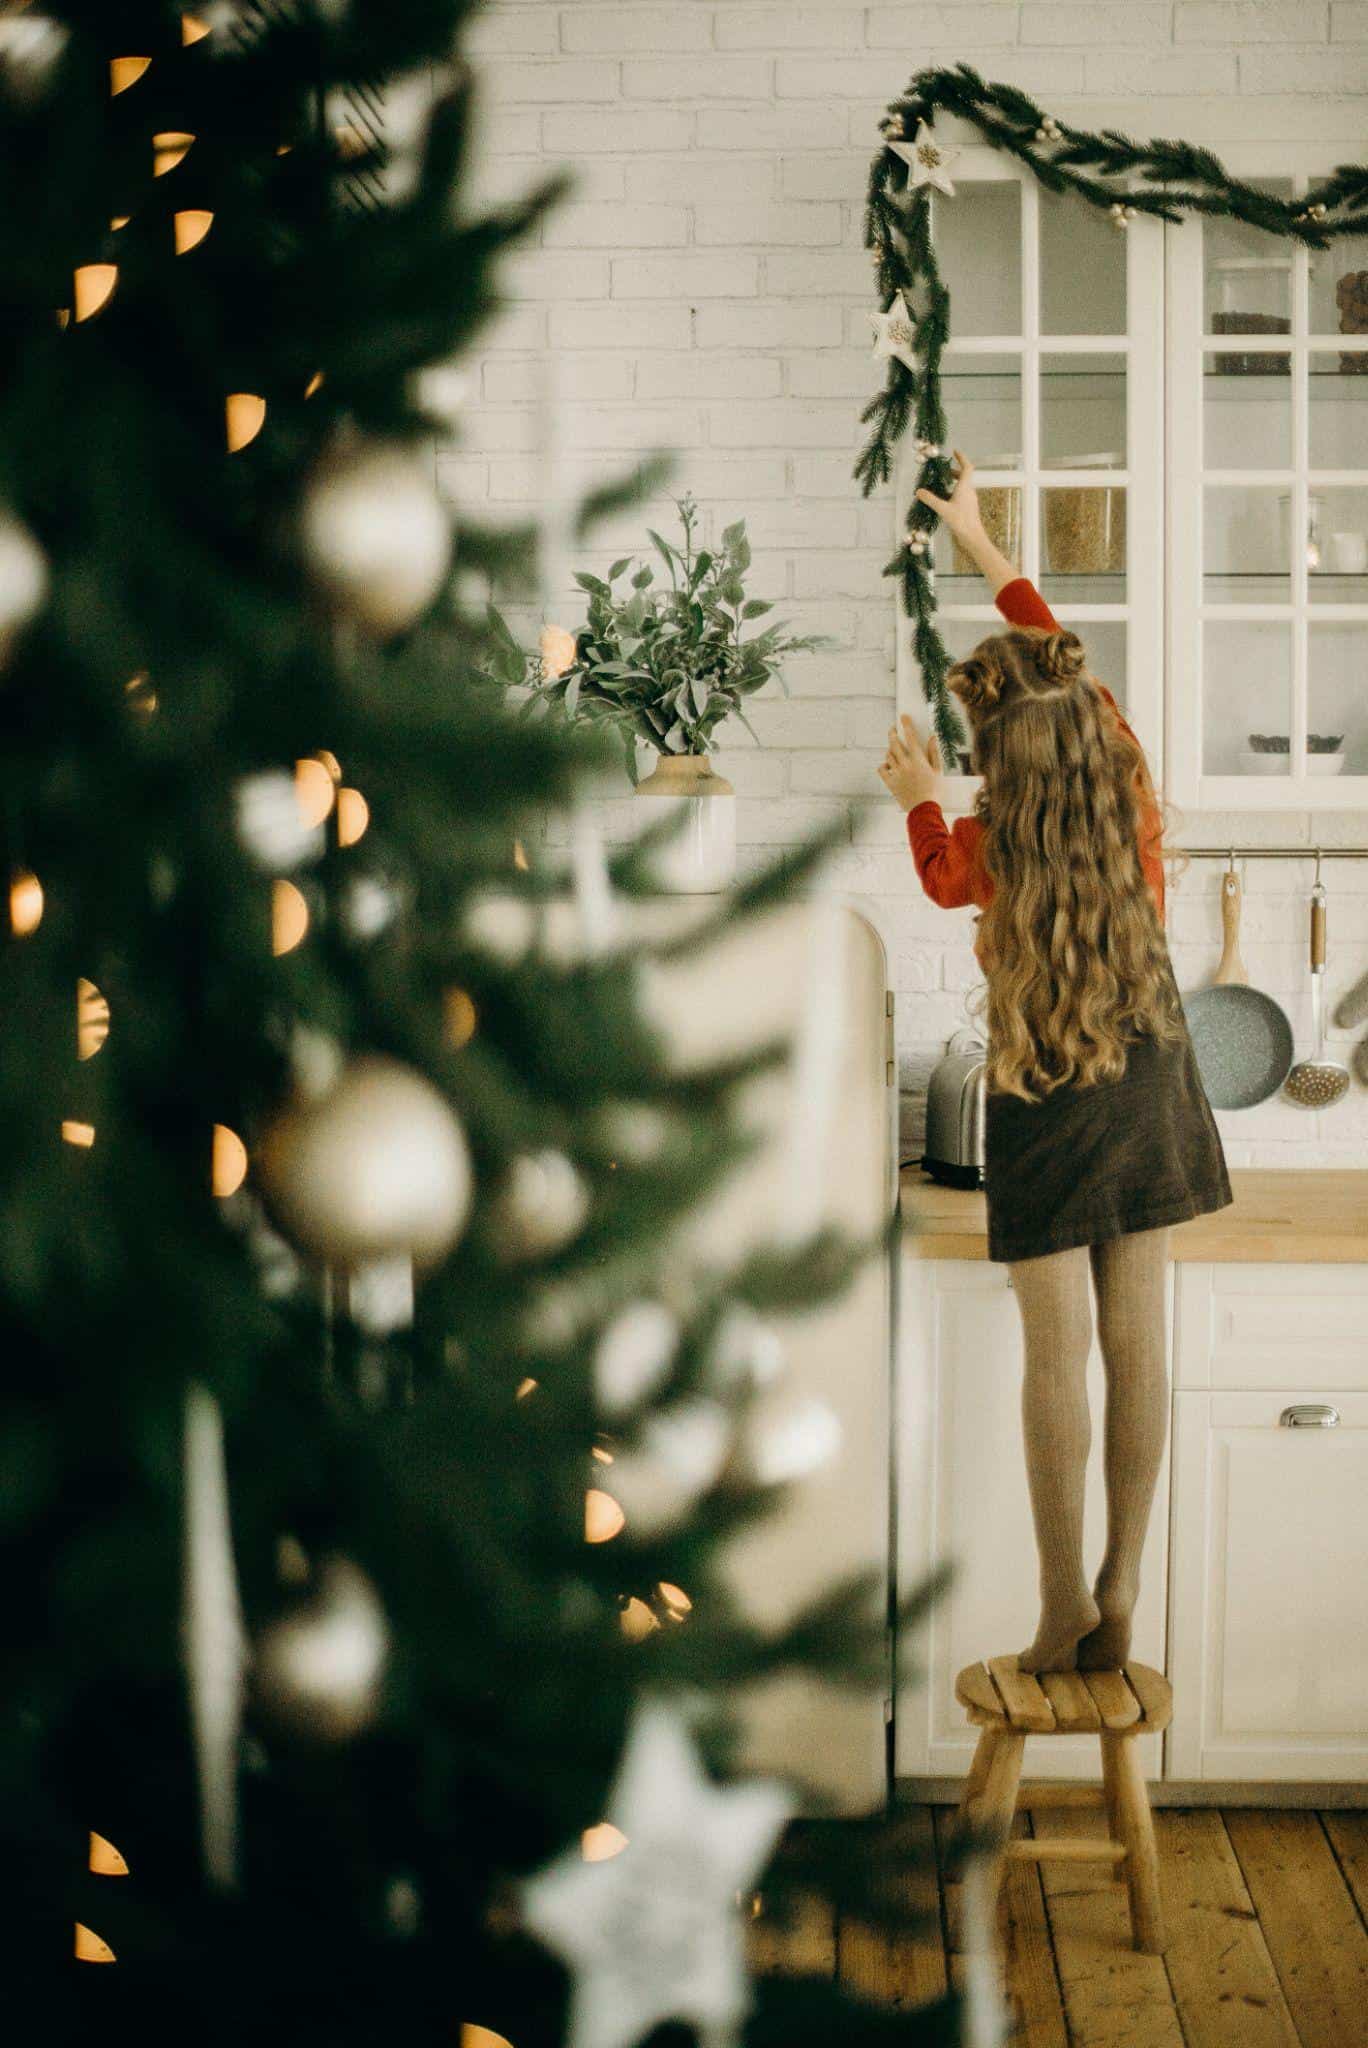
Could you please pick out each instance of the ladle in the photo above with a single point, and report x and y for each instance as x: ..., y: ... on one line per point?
x: 1319, y: 1082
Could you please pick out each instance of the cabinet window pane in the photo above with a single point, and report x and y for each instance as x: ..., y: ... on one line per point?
x: 978, y: 246
x: 1337, y: 697
x: 1338, y: 410
x: 983, y: 405
x: 1083, y: 543
x: 1083, y: 412
x: 1246, y: 418
x: 1246, y: 545
x: 1000, y: 505
x: 1339, y: 543
x: 1082, y: 269
x: 1246, y: 697
x: 1339, y: 287
x: 1248, y: 281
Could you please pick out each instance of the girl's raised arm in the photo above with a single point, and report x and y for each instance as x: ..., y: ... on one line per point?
x: 960, y: 512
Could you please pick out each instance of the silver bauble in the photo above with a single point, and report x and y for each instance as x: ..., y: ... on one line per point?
x: 785, y: 1436
x: 318, y: 1670
x: 374, y: 1167
x: 634, y: 1356
x: 376, y: 536
x: 23, y: 577
x: 540, y: 1205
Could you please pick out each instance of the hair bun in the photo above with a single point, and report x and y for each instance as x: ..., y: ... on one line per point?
x: 1063, y: 656
x: 977, y: 682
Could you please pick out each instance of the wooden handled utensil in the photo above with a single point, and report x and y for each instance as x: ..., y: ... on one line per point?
x: 1241, y: 1038
x: 1319, y: 1082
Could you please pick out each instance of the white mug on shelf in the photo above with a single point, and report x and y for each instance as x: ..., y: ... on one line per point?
x: 1348, y: 553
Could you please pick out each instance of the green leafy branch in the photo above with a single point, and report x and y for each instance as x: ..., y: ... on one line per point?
x: 1167, y: 180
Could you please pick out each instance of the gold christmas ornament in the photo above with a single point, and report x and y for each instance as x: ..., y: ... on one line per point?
x: 318, y: 1670
x: 373, y: 1165
x: 375, y: 535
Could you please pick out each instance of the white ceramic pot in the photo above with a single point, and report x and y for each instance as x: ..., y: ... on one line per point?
x: 701, y: 856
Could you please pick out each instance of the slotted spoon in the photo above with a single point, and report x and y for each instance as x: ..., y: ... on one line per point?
x: 1319, y: 1082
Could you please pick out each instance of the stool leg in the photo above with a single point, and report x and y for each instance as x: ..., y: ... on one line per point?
x: 997, y: 1803
x: 1137, y: 1832
x: 978, y: 1775
x: 1112, y: 1802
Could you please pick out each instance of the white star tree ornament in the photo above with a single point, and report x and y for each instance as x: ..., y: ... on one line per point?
x: 895, y: 333
x: 927, y: 160
x: 654, y: 1933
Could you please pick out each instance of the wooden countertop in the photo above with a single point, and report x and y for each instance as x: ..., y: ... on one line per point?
x: 1317, y: 1215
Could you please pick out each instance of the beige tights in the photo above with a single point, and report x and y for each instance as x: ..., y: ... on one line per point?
x: 1078, y: 1628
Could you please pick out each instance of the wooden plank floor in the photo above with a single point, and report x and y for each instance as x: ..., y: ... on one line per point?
x: 1267, y: 1938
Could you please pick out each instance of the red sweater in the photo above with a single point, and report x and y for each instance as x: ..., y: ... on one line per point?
x: 950, y: 860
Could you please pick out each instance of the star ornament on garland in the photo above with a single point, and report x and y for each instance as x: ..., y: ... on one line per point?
x: 895, y: 333
x: 654, y: 1933
x: 928, y: 163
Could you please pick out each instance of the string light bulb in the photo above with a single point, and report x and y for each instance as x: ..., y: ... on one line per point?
x: 142, y: 698
x: 353, y: 816
x: 193, y: 30
x: 603, y: 1518
x: 473, y: 2036
x: 314, y: 384
x: 92, y: 1019
x: 78, y: 1134
x: 289, y: 917
x: 637, y: 1621
x: 90, y: 1948
x: 227, y: 1162
x: 315, y: 790
x: 601, y: 1841
x: 105, y: 1859
x: 459, y: 1018
x: 190, y: 227
x: 26, y: 903
x: 93, y: 287
x: 169, y: 148
x: 125, y: 71
x: 245, y: 416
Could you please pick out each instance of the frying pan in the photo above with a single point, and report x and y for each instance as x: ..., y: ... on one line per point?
x: 1242, y: 1039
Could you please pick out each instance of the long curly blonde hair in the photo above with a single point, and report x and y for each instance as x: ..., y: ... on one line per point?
x: 1076, y: 962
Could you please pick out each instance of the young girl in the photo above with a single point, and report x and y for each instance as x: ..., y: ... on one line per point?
x: 1099, y: 1135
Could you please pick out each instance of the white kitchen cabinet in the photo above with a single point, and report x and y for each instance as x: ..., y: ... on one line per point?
x: 1190, y: 494
x: 1053, y: 381
x: 962, y: 1498
x: 1268, y: 1594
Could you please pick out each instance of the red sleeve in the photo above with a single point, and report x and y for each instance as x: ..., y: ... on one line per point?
x: 947, y: 861
x: 1021, y: 604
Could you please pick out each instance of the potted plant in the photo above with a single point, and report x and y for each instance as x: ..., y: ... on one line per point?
x: 668, y: 665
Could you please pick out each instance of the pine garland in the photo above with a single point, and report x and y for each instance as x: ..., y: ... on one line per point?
x: 1175, y: 179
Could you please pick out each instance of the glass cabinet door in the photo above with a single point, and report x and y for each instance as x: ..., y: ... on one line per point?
x: 1268, y: 512
x: 1053, y: 384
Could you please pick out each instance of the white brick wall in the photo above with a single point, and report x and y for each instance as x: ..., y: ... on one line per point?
x: 705, y: 290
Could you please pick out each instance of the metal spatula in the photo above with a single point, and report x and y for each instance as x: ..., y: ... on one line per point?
x: 1318, y: 1082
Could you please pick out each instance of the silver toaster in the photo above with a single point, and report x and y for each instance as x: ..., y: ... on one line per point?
x: 955, y: 1112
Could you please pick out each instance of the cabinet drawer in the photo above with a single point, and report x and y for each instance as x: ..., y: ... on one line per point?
x: 1276, y: 1327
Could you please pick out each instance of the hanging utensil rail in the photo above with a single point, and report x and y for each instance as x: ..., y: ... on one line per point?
x: 1266, y: 853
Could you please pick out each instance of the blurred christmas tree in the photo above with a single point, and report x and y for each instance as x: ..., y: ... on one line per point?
x: 320, y: 1640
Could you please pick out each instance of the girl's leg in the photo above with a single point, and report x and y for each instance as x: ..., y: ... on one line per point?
x: 1056, y: 1319
x: 1129, y: 1275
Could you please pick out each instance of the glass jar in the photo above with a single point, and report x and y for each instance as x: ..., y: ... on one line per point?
x: 1252, y: 295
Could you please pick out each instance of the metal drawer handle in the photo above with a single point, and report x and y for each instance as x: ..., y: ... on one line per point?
x: 1310, y: 1415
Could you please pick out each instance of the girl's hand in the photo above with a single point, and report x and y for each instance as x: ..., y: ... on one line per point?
x: 960, y: 511
x: 909, y: 774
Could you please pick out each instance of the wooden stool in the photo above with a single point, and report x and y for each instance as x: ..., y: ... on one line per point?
x: 1007, y: 1705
